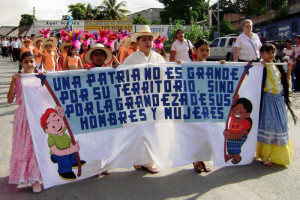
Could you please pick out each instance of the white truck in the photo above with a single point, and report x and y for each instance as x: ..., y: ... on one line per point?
x: 222, y: 48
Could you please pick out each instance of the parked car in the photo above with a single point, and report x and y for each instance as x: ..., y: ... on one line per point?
x: 222, y: 48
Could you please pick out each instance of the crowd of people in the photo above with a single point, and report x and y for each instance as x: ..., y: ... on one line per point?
x: 73, y: 50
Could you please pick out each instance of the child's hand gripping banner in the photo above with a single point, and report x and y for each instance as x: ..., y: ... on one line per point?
x: 85, y: 122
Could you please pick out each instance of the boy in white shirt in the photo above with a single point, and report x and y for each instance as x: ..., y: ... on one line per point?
x: 144, y: 39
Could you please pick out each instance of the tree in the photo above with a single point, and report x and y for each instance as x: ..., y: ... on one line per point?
x: 26, y: 20
x: 113, y: 10
x: 155, y: 22
x: 78, y: 11
x: 64, y: 17
x: 189, y: 10
x: 192, y: 33
x: 248, y: 7
x: 225, y: 29
x: 140, y: 20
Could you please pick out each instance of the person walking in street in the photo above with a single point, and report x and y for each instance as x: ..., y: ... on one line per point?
x: 4, y: 45
x: 297, y: 60
x: 182, y: 49
x: 144, y: 40
x: 24, y: 168
x: 273, y: 143
x: 247, y: 45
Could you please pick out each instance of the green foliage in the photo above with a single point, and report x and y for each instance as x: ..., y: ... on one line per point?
x: 26, y: 20
x: 191, y: 33
x: 225, y: 29
x: 248, y: 7
x: 140, y: 20
x: 189, y: 10
x: 155, y: 22
x: 64, y: 17
x: 112, y: 10
x: 78, y: 11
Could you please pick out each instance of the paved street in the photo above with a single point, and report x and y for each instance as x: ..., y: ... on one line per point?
x: 254, y: 181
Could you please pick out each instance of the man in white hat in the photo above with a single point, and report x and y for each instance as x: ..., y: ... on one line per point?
x: 144, y: 39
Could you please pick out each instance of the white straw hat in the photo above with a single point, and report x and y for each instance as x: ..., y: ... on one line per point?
x: 87, y: 56
x: 144, y: 30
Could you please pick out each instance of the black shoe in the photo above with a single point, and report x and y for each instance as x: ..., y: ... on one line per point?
x: 69, y: 176
x: 76, y: 165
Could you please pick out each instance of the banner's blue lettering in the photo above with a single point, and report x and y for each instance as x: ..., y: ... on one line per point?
x: 84, y: 123
x: 153, y: 113
x: 93, y: 121
x: 102, y: 78
x: 136, y: 74
x: 64, y: 95
x: 102, y: 120
x: 78, y: 109
x: 76, y: 82
x: 69, y: 110
x: 89, y: 107
x: 90, y: 79
x: 142, y: 114
x: 122, y: 117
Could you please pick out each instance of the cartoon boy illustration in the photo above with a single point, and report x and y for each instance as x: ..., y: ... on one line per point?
x: 239, y: 127
x: 61, y: 148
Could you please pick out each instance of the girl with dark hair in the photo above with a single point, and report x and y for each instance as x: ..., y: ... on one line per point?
x: 73, y: 61
x: 24, y: 168
x: 273, y: 144
x: 85, y: 46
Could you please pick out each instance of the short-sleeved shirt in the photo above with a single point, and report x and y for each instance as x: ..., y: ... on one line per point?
x: 49, y: 60
x: 4, y: 43
x: 248, y: 51
x: 15, y: 44
x: 139, y: 57
x: 36, y: 52
x: 182, y: 49
x: 61, y: 142
x: 288, y: 52
x: 297, y: 51
x: 273, y: 80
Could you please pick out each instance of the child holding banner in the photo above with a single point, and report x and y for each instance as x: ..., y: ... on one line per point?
x: 24, y: 168
x: 273, y: 144
x: 202, y: 49
x: 144, y: 39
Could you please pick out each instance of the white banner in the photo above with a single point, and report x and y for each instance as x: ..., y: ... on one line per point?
x: 168, y: 114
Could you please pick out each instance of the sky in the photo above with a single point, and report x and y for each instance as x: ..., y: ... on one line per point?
x: 11, y: 10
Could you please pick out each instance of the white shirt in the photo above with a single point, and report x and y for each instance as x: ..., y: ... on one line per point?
x: 297, y: 51
x: 139, y: 57
x: 288, y: 52
x: 20, y: 44
x: 182, y: 50
x: 4, y: 43
x: 247, y: 51
x: 15, y: 44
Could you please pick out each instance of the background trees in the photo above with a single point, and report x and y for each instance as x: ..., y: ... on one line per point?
x: 108, y: 10
x: 26, y: 20
x: 189, y: 10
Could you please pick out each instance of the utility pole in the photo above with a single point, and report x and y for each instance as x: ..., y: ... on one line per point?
x: 208, y: 14
x: 33, y: 26
x: 218, y: 19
